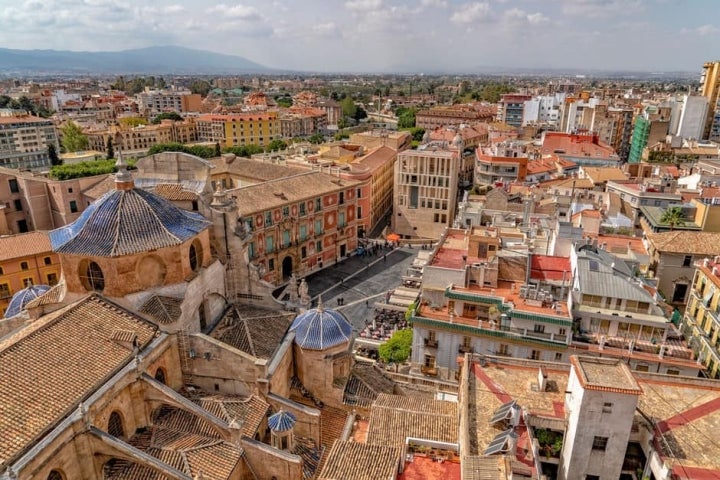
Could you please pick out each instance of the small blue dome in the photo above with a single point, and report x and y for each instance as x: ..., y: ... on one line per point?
x: 318, y: 329
x: 23, y: 297
x: 281, y: 421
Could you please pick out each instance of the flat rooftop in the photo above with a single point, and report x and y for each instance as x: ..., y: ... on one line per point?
x: 603, y: 374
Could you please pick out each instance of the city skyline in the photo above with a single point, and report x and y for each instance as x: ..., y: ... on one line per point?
x: 355, y: 35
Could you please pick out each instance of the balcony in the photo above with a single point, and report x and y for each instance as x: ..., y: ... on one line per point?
x: 431, y: 342
x: 465, y: 349
x: 428, y: 371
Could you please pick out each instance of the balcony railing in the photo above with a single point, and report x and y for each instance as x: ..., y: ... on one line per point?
x: 432, y: 343
x: 428, y: 370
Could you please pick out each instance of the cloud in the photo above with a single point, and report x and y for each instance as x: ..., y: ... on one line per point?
x: 238, y: 11
x: 363, y: 5
x: 516, y: 17
x: 707, y: 29
x: 602, y: 8
x: 469, y: 13
x: 433, y: 3
x: 174, y: 9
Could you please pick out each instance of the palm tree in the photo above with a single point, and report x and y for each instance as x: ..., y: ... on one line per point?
x: 673, y: 216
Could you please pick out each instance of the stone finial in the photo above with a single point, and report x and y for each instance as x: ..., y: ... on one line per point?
x: 219, y: 197
x: 123, y: 179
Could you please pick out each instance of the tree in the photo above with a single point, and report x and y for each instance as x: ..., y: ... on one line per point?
x: 360, y: 113
x: 397, y: 349
x: 109, y: 150
x: 218, y: 151
x: 673, y: 216
x: 316, y: 138
x: 200, y: 86
x: 284, y: 102
x: 73, y: 139
x: 348, y: 107
x: 406, y: 117
x: 167, y: 116
x: 244, y: 150
x: 276, y: 145
x: 53, y: 155
x: 133, y: 121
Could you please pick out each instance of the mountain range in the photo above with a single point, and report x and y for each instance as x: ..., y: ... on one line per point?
x: 150, y: 60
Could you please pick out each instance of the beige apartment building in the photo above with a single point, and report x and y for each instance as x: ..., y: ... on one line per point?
x: 425, y: 191
x: 141, y: 138
x: 24, y: 141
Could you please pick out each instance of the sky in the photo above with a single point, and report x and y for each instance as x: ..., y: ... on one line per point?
x: 385, y: 35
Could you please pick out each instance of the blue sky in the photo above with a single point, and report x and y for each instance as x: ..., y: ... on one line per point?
x: 382, y: 35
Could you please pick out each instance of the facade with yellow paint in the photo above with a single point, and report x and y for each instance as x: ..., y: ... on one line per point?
x: 250, y: 128
x: 26, y: 260
x: 701, y: 323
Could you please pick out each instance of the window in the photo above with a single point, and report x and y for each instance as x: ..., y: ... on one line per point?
x: 27, y: 282
x: 303, y: 232
x: 52, y: 279
x: 201, y: 317
x: 302, y: 209
x: 251, y: 250
x: 558, y: 357
x: 503, y: 349
x: 687, y: 261
x: 160, y: 375
x: 429, y: 361
x: 47, y: 261
x: 318, y: 227
x: 55, y: 475
x: 318, y: 246
x: 538, y: 328
x: 341, y: 198
x: 14, y: 187
x: 271, y: 264
x: 535, y: 355
x: 115, y: 425
x: 592, y: 477
x: 562, y: 331
x: 318, y: 204
x: 269, y: 244
x: 607, y: 407
x: 268, y: 219
x: 672, y: 371
x: 341, y: 219
x: 194, y: 256
x: 91, y: 276
x: 303, y: 252
x: 18, y: 204
x: 23, y: 265
x: 2, y: 272
x: 286, y: 238
x: 73, y: 206
x: 5, y: 290
x: 600, y: 443
x: 358, y: 193
x: 22, y: 226
x: 70, y: 190
x: 286, y: 211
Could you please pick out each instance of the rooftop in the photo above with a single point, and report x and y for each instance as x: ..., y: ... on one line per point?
x: 607, y: 375
x: 393, y: 418
x: 255, y: 331
x: 683, y: 242
x: 24, y: 245
x: 36, y: 393
x: 350, y: 460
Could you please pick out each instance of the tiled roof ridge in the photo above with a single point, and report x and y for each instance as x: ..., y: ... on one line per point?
x: 248, y: 335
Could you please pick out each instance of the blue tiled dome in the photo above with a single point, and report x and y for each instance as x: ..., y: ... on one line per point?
x: 23, y: 297
x: 124, y: 222
x: 319, y: 328
x: 281, y: 421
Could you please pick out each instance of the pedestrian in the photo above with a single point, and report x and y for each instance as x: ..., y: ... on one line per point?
x: 385, y: 257
x: 367, y: 303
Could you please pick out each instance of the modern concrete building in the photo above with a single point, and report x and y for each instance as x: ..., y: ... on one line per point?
x: 501, y: 164
x: 710, y: 89
x: 701, y: 322
x: 510, y: 109
x: 693, y: 116
x: 154, y: 102
x: 256, y: 128
x: 425, y: 190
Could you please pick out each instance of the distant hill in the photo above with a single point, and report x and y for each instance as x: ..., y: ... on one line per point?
x: 156, y: 60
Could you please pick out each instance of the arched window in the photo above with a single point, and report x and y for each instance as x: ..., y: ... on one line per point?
x: 115, y: 425
x: 195, y: 256
x: 55, y: 475
x: 160, y: 375
x: 91, y: 276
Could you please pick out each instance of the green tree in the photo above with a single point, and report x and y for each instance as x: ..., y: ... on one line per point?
x: 244, y: 150
x: 133, y: 121
x: 284, y: 102
x: 167, y: 116
x: 276, y: 145
x: 348, y: 107
x: 200, y: 86
x: 360, y: 113
x: 417, y: 133
x: 109, y: 149
x: 86, y: 169
x: 406, y: 117
x: 673, y: 216
x: 73, y: 139
x: 397, y: 349
x: 53, y: 155
x: 316, y: 138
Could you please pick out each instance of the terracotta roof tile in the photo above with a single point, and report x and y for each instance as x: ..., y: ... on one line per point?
x: 361, y: 461
x: 695, y: 243
x: 24, y: 245
x: 36, y: 393
x: 255, y: 331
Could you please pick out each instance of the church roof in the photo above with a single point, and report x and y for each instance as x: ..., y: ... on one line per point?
x: 124, y: 222
x: 23, y: 297
x: 281, y: 421
x: 321, y: 328
x: 37, y: 390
